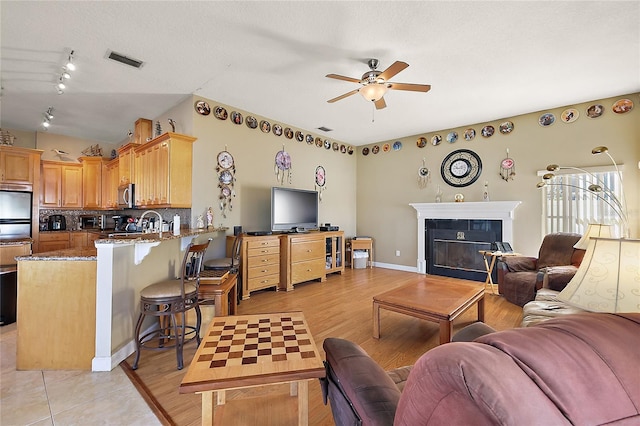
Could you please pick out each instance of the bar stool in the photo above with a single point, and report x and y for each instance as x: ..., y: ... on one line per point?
x: 168, y: 299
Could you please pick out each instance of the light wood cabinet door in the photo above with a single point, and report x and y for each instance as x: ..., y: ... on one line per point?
x: 126, y: 165
x: 77, y: 239
x: 92, y: 182
x: 71, y: 186
x: 51, y: 185
x: 52, y: 241
x: 16, y: 166
x: 142, y: 130
x: 110, y: 182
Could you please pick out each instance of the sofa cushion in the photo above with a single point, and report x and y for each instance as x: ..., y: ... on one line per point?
x: 557, y: 249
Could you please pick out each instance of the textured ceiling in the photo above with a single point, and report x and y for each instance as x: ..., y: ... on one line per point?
x: 484, y: 61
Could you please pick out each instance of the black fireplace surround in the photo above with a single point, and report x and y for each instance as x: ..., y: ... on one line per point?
x: 453, y: 245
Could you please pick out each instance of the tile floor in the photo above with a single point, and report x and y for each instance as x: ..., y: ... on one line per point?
x: 64, y: 398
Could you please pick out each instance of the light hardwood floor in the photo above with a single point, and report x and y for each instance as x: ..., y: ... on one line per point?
x: 339, y: 307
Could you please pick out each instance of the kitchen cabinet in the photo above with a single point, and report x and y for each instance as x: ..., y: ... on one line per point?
x: 19, y: 166
x: 260, y: 263
x: 126, y: 164
x: 92, y: 168
x: 61, y: 185
x: 77, y: 239
x: 334, y: 251
x: 110, y: 182
x: 162, y: 170
x: 142, y: 131
x: 52, y: 241
x: 302, y: 259
x: 9, y: 252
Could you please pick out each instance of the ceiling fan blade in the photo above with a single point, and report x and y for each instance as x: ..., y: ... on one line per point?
x: 342, y: 77
x: 343, y: 96
x: 380, y: 103
x: 408, y: 86
x: 394, y: 69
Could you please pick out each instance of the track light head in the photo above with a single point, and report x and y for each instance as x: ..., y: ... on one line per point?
x: 61, y: 84
x: 70, y: 65
x: 65, y: 73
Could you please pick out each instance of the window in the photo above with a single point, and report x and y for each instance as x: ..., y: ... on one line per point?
x: 568, y: 206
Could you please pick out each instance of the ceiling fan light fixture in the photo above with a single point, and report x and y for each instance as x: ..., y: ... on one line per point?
x: 373, y: 92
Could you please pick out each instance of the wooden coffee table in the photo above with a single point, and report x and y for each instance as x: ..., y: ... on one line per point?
x: 254, y: 350
x: 437, y: 299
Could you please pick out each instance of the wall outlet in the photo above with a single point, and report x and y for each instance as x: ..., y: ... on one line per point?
x: 397, y: 252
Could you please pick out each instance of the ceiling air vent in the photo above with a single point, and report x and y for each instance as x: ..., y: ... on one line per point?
x: 124, y: 59
x: 325, y: 129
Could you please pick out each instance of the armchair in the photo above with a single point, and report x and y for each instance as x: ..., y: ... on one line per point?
x: 519, y: 277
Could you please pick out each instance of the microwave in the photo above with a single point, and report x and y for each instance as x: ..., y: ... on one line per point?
x: 126, y: 196
x: 93, y: 221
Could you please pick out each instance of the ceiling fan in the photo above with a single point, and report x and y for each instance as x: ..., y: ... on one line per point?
x: 376, y: 83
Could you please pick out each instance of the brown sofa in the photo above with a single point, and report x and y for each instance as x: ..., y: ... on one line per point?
x: 519, y: 277
x: 577, y: 369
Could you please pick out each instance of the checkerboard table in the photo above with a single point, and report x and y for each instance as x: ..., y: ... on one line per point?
x: 254, y: 350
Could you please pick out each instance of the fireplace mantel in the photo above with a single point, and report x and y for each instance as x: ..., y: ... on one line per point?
x: 489, y: 210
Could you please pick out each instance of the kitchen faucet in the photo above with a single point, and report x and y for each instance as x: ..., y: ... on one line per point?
x: 159, y: 218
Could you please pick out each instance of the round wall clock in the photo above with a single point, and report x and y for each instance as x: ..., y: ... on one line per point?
x: 461, y: 168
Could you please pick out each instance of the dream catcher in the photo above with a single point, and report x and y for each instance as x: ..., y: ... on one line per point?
x: 226, y: 168
x: 321, y: 180
x: 507, y: 168
x: 282, y: 166
x: 424, y: 175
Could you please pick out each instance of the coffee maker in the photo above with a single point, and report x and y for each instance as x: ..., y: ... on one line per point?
x: 57, y: 222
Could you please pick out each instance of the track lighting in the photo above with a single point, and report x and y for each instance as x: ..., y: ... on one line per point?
x: 49, y: 114
x: 65, y: 73
x: 61, y: 84
x: 70, y: 65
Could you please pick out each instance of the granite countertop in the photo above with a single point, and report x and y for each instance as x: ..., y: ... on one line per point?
x: 16, y: 241
x: 90, y: 253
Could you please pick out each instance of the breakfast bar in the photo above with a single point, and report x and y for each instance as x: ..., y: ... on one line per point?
x: 77, y: 307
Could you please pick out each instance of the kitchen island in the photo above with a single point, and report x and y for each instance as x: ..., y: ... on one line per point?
x: 77, y: 307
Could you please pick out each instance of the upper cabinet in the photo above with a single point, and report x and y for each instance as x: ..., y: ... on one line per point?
x: 92, y: 169
x: 18, y: 166
x: 110, y: 182
x: 61, y: 185
x: 162, y: 171
x: 142, y: 131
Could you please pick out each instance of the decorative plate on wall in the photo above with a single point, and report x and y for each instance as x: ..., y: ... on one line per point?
x: 343, y: 149
x: 375, y: 149
x: 202, y: 108
x: 288, y: 133
x: 365, y: 151
x: 327, y: 144
x: 487, y: 131
x: 436, y: 139
x: 469, y: 134
x: 251, y: 122
x: 335, y: 146
x: 299, y: 136
x: 386, y: 147
x: 265, y: 126
x: 569, y: 115
x: 319, y: 142
x: 546, y: 119
x: 309, y: 139
x: 350, y: 150
x: 506, y: 127
x: 397, y: 146
x: 595, y: 111
x: 452, y: 137
x: 421, y: 142
x: 236, y: 117
x: 277, y: 129
x: 622, y: 106
x: 220, y: 113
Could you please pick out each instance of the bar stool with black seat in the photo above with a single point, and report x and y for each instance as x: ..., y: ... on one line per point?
x: 168, y: 299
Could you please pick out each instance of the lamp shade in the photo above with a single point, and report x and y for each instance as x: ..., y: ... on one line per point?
x: 593, y: 230
x: 608, y: 279
x: 373, y: 91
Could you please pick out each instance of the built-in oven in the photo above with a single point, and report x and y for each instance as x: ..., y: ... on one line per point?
x: 126, y: 196
x: 15, y: 214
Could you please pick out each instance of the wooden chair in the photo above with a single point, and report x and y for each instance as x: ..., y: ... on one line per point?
x: 168, y: 299
x: 230, y: 264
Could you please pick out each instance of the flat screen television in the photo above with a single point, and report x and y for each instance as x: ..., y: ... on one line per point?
x: 293, y: 209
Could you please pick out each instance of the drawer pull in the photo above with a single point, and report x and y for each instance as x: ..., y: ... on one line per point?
x: 265, y: 251
x: 309, y: 251
x: 264, y: 260
x: 264, y: 270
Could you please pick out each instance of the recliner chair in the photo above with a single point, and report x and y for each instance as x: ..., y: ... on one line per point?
x: 520, y: 277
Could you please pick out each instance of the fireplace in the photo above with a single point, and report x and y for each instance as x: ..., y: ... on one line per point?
x: 451, y: 234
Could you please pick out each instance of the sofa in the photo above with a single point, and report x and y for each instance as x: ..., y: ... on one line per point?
x: 519, y: 277
x: 576, y: 369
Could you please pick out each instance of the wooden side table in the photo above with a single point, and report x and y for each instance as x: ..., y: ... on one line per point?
x: 363, y: 244
x: 490, y: 264
x: 224, y: 294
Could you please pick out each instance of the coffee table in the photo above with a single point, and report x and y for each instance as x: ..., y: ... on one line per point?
x: 436, y: 299
x: 254, y: 350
